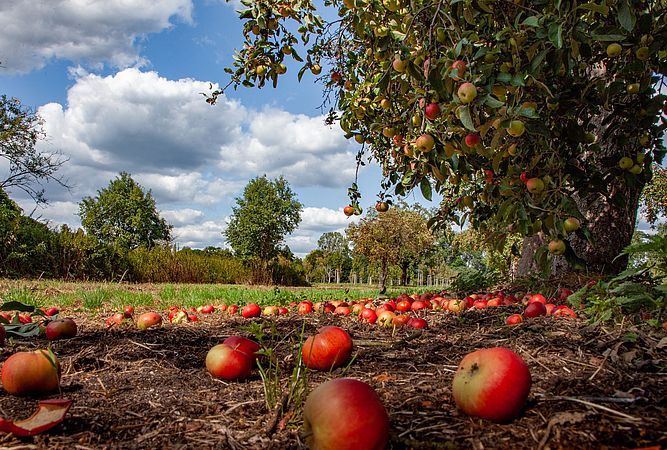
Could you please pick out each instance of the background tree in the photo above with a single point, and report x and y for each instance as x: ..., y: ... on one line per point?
x: 387, y: 238
x: 26, y: 168
x: 653, y: 200
x: 336, y: 253
x: 521, y: 114
x: 262, y: 217
x: 10, y: 215
x: 123, y: 215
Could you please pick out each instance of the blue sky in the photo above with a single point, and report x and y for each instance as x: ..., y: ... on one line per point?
x: 118, y: 85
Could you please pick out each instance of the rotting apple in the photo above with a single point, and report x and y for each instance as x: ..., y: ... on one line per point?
x: 225, y: 362
x: 148, y: 320
x: 31, y: 373
x: 60, y: 329
x: 330, y: 348
x: 492, y: 383
x: 366, y: 424
x: 386, y: 318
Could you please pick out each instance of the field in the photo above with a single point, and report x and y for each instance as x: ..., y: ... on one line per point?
x: 602, y: 386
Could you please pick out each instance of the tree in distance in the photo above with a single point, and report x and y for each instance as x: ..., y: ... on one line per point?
x: 123, y: 215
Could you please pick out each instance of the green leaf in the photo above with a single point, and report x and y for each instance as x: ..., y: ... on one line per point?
x: 16, y: 306
x: 493, y: 102
x: 607, y: 37
x: 466, y: 119
x: 531, y: 21
x: 556, y: 34
x: 602, y: 9
x: 537, y: 61
x: 626, y: 17
x: 426, y: 189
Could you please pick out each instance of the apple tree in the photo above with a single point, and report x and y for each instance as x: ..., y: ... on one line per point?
x: 654, y: 196
x: 124, y: 216
x: 397, y: 236
x: 521, y: 114
x: 267, y: 211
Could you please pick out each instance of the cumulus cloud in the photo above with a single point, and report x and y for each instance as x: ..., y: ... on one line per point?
x: 194, y: 158
x: 92, y: 32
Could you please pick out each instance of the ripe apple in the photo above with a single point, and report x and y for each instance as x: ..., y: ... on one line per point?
x: 282, y: 310
x: 244, y: 345
x: 557, y: 247
x: 537, y: 298
x: 342, y: 311
x: 31, y: 373
x: 425, y: 143
x: 316, y: 69
x: 386, y: 318
x: 381, y: 207
x: 270, y: 310
x: 571, y: 224
x: 403, y: 306
x: 115, y: 319
x: 417, y: 322
x: 492, y: 383
x: 207, y: 309
x: 330, y: 348
x: 472, y: 139
x: 348, y: 210
x: 460, y: 67
x: 52, y: 311
x: 399, y: 65
x: 128, y: 311
x: 225, y: 362
x: 304, y: 307
x: 432, y: 111
x: 564, y: 311
x: 233, y: 309
x: 149, y: 319
x: 366, y: 424
x: 467, y: 92
x: 535, y: 309
x: 368, y: 315
x: 60, y: 329
x: 251, y: 310
x: 514, y: 319
x: 535, y: 185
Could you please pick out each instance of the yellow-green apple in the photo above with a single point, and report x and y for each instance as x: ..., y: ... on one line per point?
x: 467, y: 92
x: 365, y: 424
x: 31, y: 373
x: 399, y: 65
x: 571, y: 224
x: 625, y: 163
x: 386, y: 318
x: 227, y: 363
x: 60, y: 329
x: 614, y: 49
x: 556, y: 246
x: 492, y: 383
x: 535, y: 185
x: 425, y: 143
x: 516, y: 128
x: 330, y: 348
x: 149, y: 319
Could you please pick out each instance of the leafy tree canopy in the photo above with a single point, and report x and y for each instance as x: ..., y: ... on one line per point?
x: 26, y: 168
x: 512, y: 110
x: 123, y: 214
x: 266, y: 212
x: 654, y: 196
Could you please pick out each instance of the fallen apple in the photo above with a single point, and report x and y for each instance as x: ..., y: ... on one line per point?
x: 514, y: 319
x: 31, y: 373
x: 60, y: 329
x: 244, y: 345
x: 492, y: 383
x: 227, y: 363
x: 366, y: 424
x: 148, y: 320
x: 251, y: 310
x: 535, y: 309
x: 330, y: 348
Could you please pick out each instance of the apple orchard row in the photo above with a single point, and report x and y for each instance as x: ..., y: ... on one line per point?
x: 477, y: 385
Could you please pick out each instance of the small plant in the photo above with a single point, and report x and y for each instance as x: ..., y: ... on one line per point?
x: 470, y: 280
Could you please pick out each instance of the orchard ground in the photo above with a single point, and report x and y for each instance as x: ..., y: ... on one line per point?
x: 594, y: 386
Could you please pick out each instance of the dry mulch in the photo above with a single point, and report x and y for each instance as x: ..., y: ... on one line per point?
x: 593, y: 386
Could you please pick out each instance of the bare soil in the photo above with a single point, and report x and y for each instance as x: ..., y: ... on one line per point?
x: 593, y: 386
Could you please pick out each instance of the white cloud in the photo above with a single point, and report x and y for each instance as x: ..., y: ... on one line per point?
x: 207, y: 233
x: 93, y: 32
x: 182, y: 217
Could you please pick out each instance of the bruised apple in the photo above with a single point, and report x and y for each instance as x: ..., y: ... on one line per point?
x: 60, y: 329
x: 31, y: 373
x: 228, y: 363
x: 492, y: 383
x: 366, y: 424
x: 331, y: 347
x: 148, y: 320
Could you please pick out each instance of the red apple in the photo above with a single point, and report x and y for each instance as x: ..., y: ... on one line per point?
x: 115, y: 319
x: 251, y: 310
x: 535, y: 185
x: 233, y: 309
x: 492, y: 383
x: 514, y: 319
x: 400, y: 320
x: 368, y: 315
x: 60, y: 329
x: 493, y: 302
x: 244, y: 345
x: 417, y: 305
x: 330, y: 348
x: 564, y: 311
x: 432, y: 111
x: 403, y: 306
x: 425, y: 143
x: 52, y: 311
x: 460, y: 67
x: 537, y: 298
x: 282, y: 310
x: 417, y: 322
x: 348, y: 210
x: 31, y: 373
x: 535, y: 309
x: 225, y: 362
x: 207, y: 309
x: 149, y: 319
x: 366, y: 424
x: 128, y: 311
x: 304, y: 307
x: 472, y: 139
